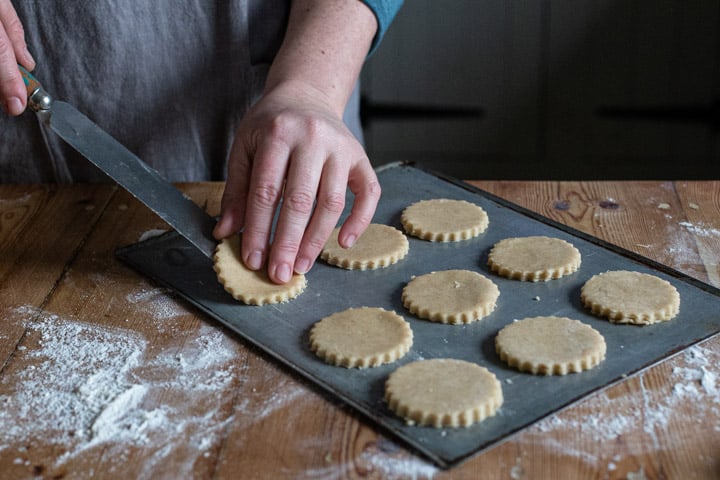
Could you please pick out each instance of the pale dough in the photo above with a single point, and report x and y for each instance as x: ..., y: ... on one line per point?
x: 361, y: 337
x: 444, y: 220
x: 450, y: 296
x: 379, y: 246
x: 630, y: 297
x: 443, y: 393
x: 248, y: 286
x: 550, y: 345
x: 533, y: 259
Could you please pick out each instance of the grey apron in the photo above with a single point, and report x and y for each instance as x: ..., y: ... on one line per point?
x: 170, y: 79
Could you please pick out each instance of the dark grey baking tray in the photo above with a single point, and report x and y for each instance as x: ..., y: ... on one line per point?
x: 282, y: 330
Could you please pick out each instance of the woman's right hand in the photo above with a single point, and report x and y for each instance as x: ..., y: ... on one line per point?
x: 13, y: 50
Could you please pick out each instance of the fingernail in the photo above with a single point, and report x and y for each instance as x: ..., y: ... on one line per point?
x: 350, y: 240
x: 14, y: 106
x: 283, y: 272
x: 254, y: 260
x: 302, y: 266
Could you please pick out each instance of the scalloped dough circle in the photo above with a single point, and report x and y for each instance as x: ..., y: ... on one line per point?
x: 444, y: 220
x: 450, y: 296
x: 248, y: 286
x: 624, y: 296
x: 550, y: 345
x: 443, y: 393
x: 380, y: 246
x: 536, y: 258
x: 361, y: 337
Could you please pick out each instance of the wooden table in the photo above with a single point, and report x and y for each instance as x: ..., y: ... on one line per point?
x: 105, y: 375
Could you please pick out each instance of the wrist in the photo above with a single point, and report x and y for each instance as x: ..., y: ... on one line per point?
x: 324, y: 48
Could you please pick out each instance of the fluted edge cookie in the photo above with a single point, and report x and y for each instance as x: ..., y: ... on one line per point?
x: 249, y: 286
x: 444, y: 220
x: 450, y: 296
x: 379, y: 246
x: 630, y: 297
x: 550, y: 345
x: 443, y: 393
x: 361, y: 337
x: 533, y: 259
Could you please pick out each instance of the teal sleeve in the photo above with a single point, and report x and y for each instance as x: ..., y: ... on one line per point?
x: 385, y: 11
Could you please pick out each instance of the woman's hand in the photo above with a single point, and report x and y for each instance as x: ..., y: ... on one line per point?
x: 13, y: 50
x: 292, y: 146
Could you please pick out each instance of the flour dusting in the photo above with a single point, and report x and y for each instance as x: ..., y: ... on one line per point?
x: 695, y: 386
x: 93, y: 389
x: 157, y: 301
x: 700, y: 229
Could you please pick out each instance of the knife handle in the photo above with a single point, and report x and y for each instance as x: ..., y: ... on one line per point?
x: 38, y: 98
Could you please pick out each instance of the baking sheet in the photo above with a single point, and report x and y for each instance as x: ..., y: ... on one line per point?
x: 282, y: 330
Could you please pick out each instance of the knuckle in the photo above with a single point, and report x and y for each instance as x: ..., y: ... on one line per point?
x: 374, y: 189
x: 285, y: 248
x: 6, y: 49
x: 334, y: 202
x: 280, y: 127
x: 363, y: 219
x: 300, y: 201
x: 15, y: 30
x: 315, y: 244
x: 265, y: 195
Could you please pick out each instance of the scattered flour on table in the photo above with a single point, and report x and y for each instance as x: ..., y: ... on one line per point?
x: 98, y: 393
x: 696, y: 386
x: 395, y: 464
x: 158, y: 301
x: 700, y: 229
x: 93, y: 388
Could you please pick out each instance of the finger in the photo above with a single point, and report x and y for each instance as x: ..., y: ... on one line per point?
x: 298, y: 201
x: 16, y: 33
x: 234, y: 199
x: 266, y: 184
x: 13, y: 49
x: 364, y: 184
x: 329, y: 207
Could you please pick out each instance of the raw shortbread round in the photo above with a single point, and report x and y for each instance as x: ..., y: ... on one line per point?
x: 443, y: 393
x: 630, y: 297
x: 533, y: 258
x: 550, y: 345
x: 248, y: 286
x: 450, y: 296
x: 444, y: 220
x: 379, y: 246
x: 361, y: 337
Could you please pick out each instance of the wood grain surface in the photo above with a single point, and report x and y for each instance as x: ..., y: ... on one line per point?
x: 105, y: 375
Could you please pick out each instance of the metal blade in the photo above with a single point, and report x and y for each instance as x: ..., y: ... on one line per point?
x: 142, y: 181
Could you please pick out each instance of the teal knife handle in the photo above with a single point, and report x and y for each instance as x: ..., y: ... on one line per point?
x: 31, y: 83
x: 38, y: 98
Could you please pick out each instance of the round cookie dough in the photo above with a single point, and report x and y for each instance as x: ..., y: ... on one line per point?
x: 533, y: 259
x: 630, y: 297
x: 361, y: 337
x: 248, y: 286
x: 450, y: 296
x: 550, y: 345
x: 443, y: 393
x: 379, y: 246
x: 444, y: 220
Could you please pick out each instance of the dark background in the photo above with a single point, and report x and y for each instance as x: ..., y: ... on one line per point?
x: 549, y: 89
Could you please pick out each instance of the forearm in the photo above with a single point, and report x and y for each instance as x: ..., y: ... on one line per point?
x: 323, y: 51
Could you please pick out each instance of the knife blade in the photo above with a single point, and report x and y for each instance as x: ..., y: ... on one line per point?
x: 130, y: 172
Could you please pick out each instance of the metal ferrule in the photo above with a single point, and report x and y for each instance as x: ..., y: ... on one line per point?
x: 40, y: 100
